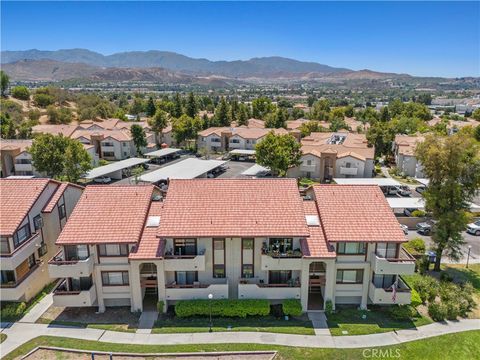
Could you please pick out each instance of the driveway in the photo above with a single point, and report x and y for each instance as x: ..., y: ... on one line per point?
x: 473, y: 241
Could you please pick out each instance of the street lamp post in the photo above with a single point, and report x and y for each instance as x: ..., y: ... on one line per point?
x: 210, y: 297
x: 468, y: 254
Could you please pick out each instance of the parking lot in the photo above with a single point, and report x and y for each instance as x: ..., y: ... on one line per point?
x: 472, y: 240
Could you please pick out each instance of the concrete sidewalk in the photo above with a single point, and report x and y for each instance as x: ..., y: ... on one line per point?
x: 37, y: 311
x: 19, y: 333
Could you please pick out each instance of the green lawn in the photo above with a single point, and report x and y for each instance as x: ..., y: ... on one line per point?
x: 447, y: 347
x: 377, y: 320
x: 460, y: 273
x: 111, y: 327
x: 34, y: 301
x: 265, y: 324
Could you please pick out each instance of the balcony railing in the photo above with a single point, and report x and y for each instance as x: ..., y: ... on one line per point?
x: 197, y: 291
x: 65, y: 298
x: 269, y: 291
x: 403, y: 264
x: 59, y: 266
x: 10, y: 261
x: 348, y: 171
x: 380, y: 295
x: 184, y: 262
x: 14, y: 284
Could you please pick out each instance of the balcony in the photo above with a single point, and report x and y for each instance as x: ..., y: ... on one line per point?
x: 404, y: 264
x: 348, y: 171
x: 268, y: 291
x: 14, y: 291
x: 60, y: 267
x: 68, y: 298
x: 184, y: 262
x: 20, y: 254
x: 197, y: 291
x: 385, y: 296
x: 308, y: 168
x: 269, y: 262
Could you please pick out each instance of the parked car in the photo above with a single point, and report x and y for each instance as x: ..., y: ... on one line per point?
x: 424, y: 228
x: 391, y: 190
x: 145, y: 166
x: 102, y: 180
x: 474, y: 228
x: 404, y: 228
x: 210, y: 175
x: 420, y: 189
x: 408, y: 211
x: 404, y: 191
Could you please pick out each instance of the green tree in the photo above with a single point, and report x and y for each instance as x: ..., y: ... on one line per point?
x: 320, y: 110
x: 8, y: 128
x: 21, y: 92
x: 136, y: 172
x: 276, y: 119
x: 177, y: 109
x: 311, y: 126
x: 222, y: 115
x: 186, y: 128
x: 476, y: 114
x: 191, y: 108
x: 4, y: 82
x: 476, y: 133
x: 158, y: 122
x: 138, y: 106
x: 43, y: 100
x: 150, y: 108
x: 139, y: 138
x: 242, y: 117
x: 349, y: 111
x: 59, y: 115
x: 452, y: 164
x: 278, y: 152
x: 59, y: 157
x: 381, y: 135
x: 297, y: 113
x: 261, y: 107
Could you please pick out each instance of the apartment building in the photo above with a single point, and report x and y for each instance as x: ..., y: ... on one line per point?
x: 329, y: 155
x: 232, y: 238
x: 228, y: 138
x: 404, y: 152
x: 33, y: 212
x: 16, y: 160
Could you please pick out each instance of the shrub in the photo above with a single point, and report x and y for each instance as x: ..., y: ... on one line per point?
x: 415, y: 298
x: 444, y: 276
x: 422, y: 264
x: 34, y: 114
x: 452, y: 310
x: 329, y: 307
x: 43, y: 100
x: 426, y: 287
x: 160, y: 306
x: 402, y: 312
x: 11, y: 311
x: 292, y: 307
x: 418, y: 213
x: 437, y: 311
x: 222, y: 307
x: 415, y: 246
x: 21, y: 92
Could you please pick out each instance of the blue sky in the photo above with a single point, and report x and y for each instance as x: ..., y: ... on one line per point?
x: 419, y: 38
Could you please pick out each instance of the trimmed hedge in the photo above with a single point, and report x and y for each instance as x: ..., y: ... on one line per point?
x: 292, y: 307
x: 415, y: 298
x: 222, y: 307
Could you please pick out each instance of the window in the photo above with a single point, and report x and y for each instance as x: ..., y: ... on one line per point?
x: 124, y: 144
x: 112, y: 250
x: 309, y: 162
x: 247, y: 257
x: 185, y: 247
x: 351, y: 248
x: 23, y: 161
x: 81, y: 283
x: 308, y: 175
x: 76, y: 252
x: 387, y: 250
x: 215, y: 140
x: 281, y: 245
x: 279, y: 276
x: 42, y: 250
x: 350, y: 276
x: 106, y: 143
x: 383, y: 281
x: 235, y: 141
x: 62, y: 212
x: 186, y: 277
x: 38, y: 222
x: 108, y: 154
x: 31, y: 261
x: 115, y: 278
x: 22, y: 235
x: 8, y: 276
x: 218, y: 258
x: 4, y: 245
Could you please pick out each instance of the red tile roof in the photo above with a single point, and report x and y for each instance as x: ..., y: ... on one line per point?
x: 315, y: 245
x: 108, y: 214
x: 356, y: 213
x: 17, y: 196
x: 56, y: 196
x: 233, y: 207
x: 150, y: 246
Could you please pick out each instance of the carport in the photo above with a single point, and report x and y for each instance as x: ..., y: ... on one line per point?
x: 187, y: 169
x: 416, y: 203
x: 114, y: 170
x: 367, y: 181
x: 256, y: 170
x: 236, y: 153
x: 163, y: 154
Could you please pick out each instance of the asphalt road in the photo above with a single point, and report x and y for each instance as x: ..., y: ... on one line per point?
x: 472, y: 240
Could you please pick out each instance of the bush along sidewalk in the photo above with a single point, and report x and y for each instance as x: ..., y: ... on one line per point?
x: 222, y: 308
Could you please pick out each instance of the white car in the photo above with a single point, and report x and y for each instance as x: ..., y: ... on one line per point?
x: 102, y: 180
x: 404, y: 228
x: 474, y: 228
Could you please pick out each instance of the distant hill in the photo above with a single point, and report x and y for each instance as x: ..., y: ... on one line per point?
x: 257, y: 67
x: 51, y: 70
